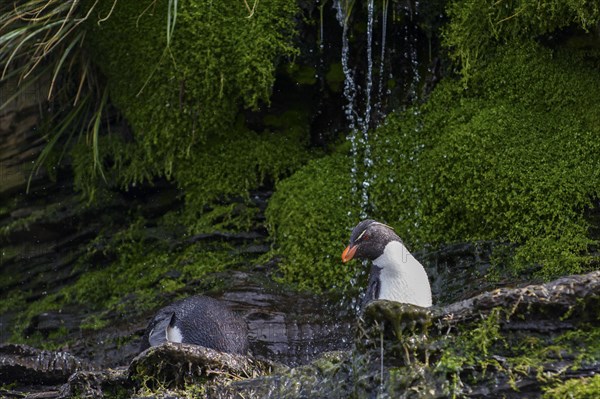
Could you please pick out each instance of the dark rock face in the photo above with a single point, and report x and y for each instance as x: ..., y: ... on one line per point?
x: 20, y: 143
x: 29, y: 365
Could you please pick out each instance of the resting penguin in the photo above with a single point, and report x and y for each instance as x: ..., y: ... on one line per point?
x: 395, y: 274
x: 198, y: 320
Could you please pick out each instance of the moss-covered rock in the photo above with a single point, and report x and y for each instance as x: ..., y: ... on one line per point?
x: 226, y: 169
x: 122, y: 276
x: 22, y: 364
x: 512, y: 159
x: 173, y: 365
x: 176, y: 90
x: 112, y: 383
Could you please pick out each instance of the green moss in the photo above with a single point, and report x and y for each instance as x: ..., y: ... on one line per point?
x: 50, y: 302
x: 582, y: 388
x: 308, y: 217
x: 184, y: 99
x: 490, y: 353
x: 470, y: 354
x: 143, y: 273
x: 230, y: 169
x: 294, y: 121
x: 513, y: 160
x: 585, y: 342
x: 182, y: 96
x: 477, y: 26
x: 15, y: 300
x: 472, y: 348
x: 23, y: 223
x: 215, y: 180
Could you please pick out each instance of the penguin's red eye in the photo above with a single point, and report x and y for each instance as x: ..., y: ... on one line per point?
x: 362, y: 236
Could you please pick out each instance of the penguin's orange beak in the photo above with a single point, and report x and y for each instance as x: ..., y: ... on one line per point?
x: 348, y: 253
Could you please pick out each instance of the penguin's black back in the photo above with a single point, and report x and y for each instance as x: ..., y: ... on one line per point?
x: 201, y: 321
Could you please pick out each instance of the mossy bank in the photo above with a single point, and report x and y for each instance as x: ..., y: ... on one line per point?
x: 506, y: 152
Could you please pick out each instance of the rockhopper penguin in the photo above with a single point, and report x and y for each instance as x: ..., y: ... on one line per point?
x: 395, y: 274
x: 198, y: 320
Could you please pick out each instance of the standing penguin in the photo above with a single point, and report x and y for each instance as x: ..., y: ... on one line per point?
x: 396, y: 274
x: 198, y: 320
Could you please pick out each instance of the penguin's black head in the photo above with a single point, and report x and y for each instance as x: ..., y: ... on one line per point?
x: 368, y: 240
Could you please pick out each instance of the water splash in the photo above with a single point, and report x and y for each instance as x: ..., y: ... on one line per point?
x: 411, y: 42
x: 321, y: 63
x: 321, y: 6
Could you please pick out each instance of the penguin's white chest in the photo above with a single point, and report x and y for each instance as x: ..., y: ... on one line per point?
x: 403, y: 278
x: 174, y: 334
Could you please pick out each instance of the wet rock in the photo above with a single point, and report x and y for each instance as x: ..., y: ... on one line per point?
x: 509, y: 342
x: 328, y: 376
x: 97, y: 384
x: 289, y: 327
x: 20, y: 141
x: 540, y: 307
x: 49, y: 322
x: 175, y: 365
x: 255, y: 249
x: 27, y: 365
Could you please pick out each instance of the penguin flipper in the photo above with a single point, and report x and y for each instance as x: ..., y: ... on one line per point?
x: 373, y: 287
x: 160, y: 331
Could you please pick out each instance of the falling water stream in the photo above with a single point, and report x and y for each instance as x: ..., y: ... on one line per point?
x: 359, y: 119
x: 366, y: 118
x: 362, y: 115
x: 379, y: 104
x: 343, y: 13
